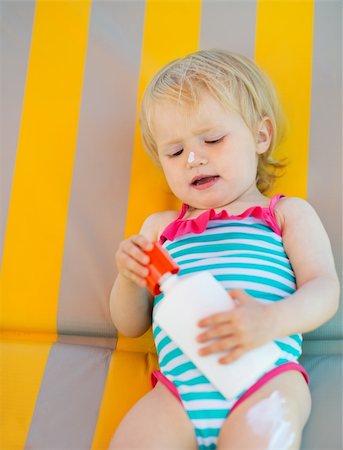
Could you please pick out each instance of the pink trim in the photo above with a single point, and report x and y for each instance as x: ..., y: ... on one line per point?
x: 158, y: 376
x: 268, y: 376
x: 197, y: 225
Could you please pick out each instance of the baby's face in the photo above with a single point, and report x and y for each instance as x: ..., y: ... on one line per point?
x: 208, y: 155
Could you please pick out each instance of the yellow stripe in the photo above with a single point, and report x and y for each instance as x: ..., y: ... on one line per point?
x: 33, y: 248
x: 171, y: 30
x: 34, y: 241
x: 284, y: 49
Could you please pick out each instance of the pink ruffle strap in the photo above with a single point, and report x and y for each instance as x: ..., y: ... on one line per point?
x: 197, y: 225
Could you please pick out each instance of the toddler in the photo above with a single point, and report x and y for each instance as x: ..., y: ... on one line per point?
x: 211, y: 121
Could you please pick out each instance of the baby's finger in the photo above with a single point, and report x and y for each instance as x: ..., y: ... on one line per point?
x: 136, y: 267
x: 142, y: 242
x: 133, y: 250
x: 219, y: 345
x: 215, y: 319
x: 135, y: 278
x: 232, y: 356
x: 217, y: 331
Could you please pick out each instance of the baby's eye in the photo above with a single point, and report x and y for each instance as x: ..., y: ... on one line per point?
x: 176, y: 153
x: 215, y: 141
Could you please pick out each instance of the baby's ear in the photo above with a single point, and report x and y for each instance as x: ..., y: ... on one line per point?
x: 264, y: 135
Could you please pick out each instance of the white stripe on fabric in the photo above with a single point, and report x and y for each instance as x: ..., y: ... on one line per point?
x: 195, y: 405
x: 185, y: 376
x: 165, y: 350
x: 176, y: 362
x: 232, y: 260
x: 229, y: 254
x: 207, y: 423
x: 259, y: 274
x: 202, y: 387
x: 253, y: 286
x: 206, y: 442
x: 258, y: 246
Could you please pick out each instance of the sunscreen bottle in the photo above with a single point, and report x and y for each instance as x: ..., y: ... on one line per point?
x: 191, y: 298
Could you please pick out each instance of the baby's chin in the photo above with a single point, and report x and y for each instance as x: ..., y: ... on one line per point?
x: 206, y: 205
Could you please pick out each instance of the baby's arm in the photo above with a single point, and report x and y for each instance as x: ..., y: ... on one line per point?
x: 315, y: 301
x: 130, y: 301
x: 307, y: 245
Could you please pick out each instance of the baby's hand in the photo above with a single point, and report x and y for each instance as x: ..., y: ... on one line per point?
x: 131, y: 260
x: 246, y: 326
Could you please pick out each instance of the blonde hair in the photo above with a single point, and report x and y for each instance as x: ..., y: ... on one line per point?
x: 235, y: 82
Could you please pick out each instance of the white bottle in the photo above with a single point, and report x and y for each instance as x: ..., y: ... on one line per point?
x: 186, y: 301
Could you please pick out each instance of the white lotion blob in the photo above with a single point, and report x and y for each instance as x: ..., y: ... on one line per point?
x: 267, y: 417
x: 191, y: 157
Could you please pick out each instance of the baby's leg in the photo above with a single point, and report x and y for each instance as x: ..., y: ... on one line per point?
x: 158, y: 421
x: 272, y: 418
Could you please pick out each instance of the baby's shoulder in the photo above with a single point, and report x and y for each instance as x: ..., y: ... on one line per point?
x: 289, y: 209
x: 157, y: 222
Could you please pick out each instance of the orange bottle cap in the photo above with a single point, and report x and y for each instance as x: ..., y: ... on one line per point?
x: 160, y: 264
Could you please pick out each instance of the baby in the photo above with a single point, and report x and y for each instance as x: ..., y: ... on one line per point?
x: 211, y: 121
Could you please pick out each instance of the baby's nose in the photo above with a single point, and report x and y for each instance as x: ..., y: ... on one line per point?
x: 195, y: 159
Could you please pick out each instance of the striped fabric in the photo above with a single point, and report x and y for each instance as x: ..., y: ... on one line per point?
x: 243, y: 253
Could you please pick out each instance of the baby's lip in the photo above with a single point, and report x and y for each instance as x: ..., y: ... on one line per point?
x: 202, y: 177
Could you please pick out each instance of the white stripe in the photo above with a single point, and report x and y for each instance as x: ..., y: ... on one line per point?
x: 236, y: 260
x: 184, y: 389
x: 228, y: 254
x: 167, y: 349
x: 256, y: 273
x: 291, y: 342
x: 207, y: 423
x: 196, y: 405
x: 242, y: 241
x: 174, y: 363
x: 185, y: 376
x: 207, y: 441
x: 159, y: 337
x: 254, y: 286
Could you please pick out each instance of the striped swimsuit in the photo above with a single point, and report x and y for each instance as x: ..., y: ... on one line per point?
x: 246, y: 252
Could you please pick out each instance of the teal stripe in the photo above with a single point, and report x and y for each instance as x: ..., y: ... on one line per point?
x: 202, y: 396
x: 226, y: 247
x: 157, y: 299
x: 288, y: 348
x: 182, y: 368
x: 261, y: 295
x: 165, y: 341
x: 232, y: 224
x: 257, y: 280
x: 170, y: 356
x: 191, y: 382
x: 281, y: 361
x: 157, y: 331
x: 261, y: 267
x: 297, y: 338
x: 217, y: 237
x: 207, y: 432
x: 208, y: 414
